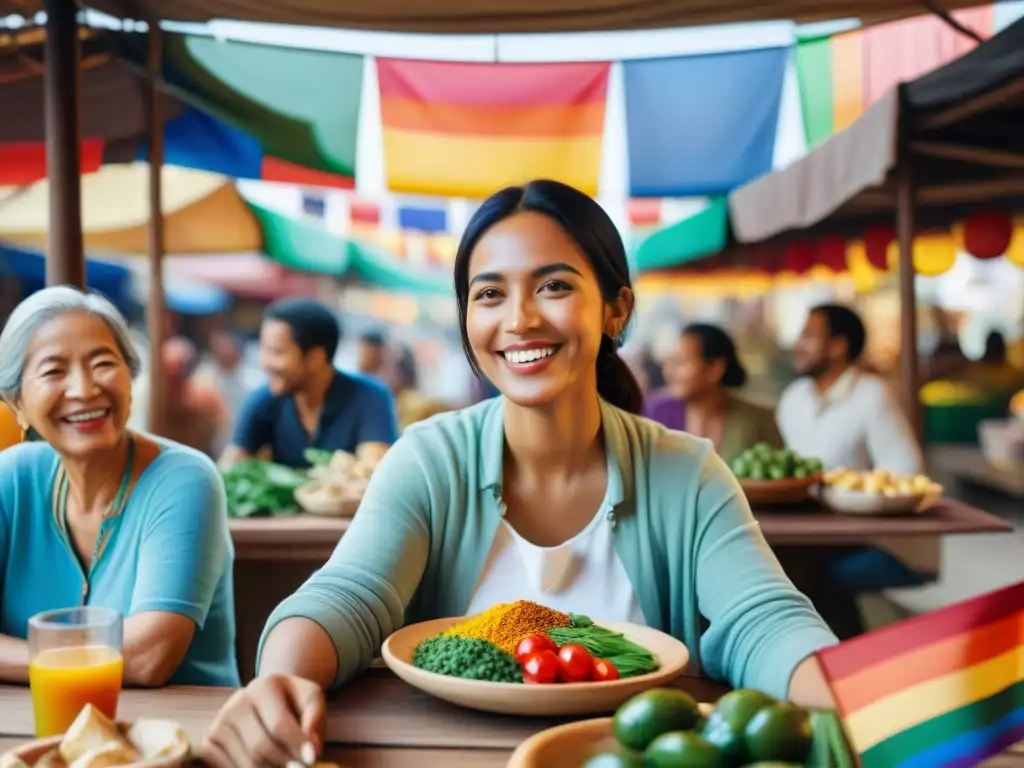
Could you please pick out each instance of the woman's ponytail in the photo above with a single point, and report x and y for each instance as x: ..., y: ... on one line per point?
x: 615, y: 381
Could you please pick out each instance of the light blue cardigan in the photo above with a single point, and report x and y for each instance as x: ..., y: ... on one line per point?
x: 682, y: 528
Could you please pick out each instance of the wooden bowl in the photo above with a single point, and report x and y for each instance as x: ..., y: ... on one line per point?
x: 32, y: 751
x: 570, y: 745
x: 860, y: 503
x: 788, y: 491
x: 315, y: 504
x: 556, y: 700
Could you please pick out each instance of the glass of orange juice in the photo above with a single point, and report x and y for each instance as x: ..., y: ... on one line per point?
x: 74, y: 660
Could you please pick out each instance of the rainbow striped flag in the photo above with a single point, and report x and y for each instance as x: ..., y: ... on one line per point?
x: 942, y: 690
x: 467, y: 129
x: 842, y: 75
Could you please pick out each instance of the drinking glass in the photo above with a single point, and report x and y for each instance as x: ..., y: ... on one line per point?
x: 74, y: 659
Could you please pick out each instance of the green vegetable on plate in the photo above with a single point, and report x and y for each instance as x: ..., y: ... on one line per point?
x: 466, y: 657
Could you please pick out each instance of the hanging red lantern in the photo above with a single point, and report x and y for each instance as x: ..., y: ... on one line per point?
x: 832, y: 252
x: 800, y: 257
x: 876, y: 245
x: 987, y: 234
x: 769, y: 259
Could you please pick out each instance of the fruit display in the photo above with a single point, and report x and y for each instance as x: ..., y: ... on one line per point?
x: 880, y: 482
x: 763, y: 462
x: 666, y: 728
x: 946, y: 393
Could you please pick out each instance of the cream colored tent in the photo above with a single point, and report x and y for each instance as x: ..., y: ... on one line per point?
x: 203, y: 213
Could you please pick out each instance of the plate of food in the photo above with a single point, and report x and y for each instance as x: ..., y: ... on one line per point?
x: 523, y: 658
x: 775, y: 476
x: 94, y: 741
x: 666, y: 727
x: 878, y: 492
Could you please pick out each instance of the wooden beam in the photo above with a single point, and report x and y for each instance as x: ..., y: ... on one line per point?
x: 905, y: 231
x: 998, y: 158
x: 156, y: 319
x: 966, y: 109
x: 65, y: 255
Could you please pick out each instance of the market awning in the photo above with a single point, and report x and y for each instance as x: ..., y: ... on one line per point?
x: 964, y: 141
x: 494, y: 16
x: 202, y: 212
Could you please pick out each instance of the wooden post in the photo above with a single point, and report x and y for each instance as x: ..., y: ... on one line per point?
x: 905, y: 229
x: 156, y: 311
x: 65, y: 256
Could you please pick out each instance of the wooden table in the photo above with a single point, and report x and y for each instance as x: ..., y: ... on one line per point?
x: 812, y: 525
x: 305, y: 537
x: 966, y: 462
x: 300, y: 537
x: 376, y: 721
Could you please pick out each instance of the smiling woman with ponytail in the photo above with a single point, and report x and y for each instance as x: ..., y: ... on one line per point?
x: 618, y: 516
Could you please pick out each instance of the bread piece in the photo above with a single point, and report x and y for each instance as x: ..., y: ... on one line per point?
x: 10, y: 760
x: 106, y: 756
x: 90, y: 731
x: 155, y: 738
x: 51, y: 759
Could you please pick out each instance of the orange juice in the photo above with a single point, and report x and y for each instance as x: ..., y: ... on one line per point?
x: 64, y: 680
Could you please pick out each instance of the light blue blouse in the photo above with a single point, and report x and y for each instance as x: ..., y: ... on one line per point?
x: 681, y: 525
x: 169, y: 550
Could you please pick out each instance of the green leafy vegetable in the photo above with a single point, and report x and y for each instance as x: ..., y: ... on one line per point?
x: 628, y: 657
x: 262, y: 488
x: 317, y: 457
x: 579, y: 620
x: 466, y: 657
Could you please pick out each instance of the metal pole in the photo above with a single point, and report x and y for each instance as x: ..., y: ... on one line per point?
x: 155, y: 311
x: 65, y: 256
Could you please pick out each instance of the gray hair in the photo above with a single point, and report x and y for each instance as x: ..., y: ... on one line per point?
x: 43, y: 306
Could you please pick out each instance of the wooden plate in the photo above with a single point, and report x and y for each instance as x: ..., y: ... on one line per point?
x: 32, y: 751
x: 789, y: 491
x: 564, y: 699
x: 569, y: 746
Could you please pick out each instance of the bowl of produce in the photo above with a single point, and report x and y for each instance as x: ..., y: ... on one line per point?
x: 522, y: 658
x: 666, y: 728
x: 775, y: 475
x: 94, y: 741
x: 337, y: 482
x: 878, y: 492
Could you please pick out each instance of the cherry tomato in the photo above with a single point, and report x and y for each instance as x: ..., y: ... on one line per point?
x: 540, y: 668
x: 604, y: 671
x: 575, y: 664
x: 534, y: 644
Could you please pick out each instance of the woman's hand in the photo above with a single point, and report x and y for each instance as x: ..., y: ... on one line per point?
x: 271, y: 722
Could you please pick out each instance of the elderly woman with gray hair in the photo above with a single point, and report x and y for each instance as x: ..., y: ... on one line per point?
x: 94, y: 514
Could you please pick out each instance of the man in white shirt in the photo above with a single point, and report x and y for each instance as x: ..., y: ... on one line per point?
x: 847, y: 417
x: 836, y: 411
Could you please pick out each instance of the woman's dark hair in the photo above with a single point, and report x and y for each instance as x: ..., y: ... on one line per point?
x: 715, y: 344
x: 596, y: 236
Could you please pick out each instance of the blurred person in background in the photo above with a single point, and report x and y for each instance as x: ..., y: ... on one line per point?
x: 224, y: 369
x: 196, y: 411
x: 412, y: 405
x: 837, y: 411
x: 372, y: 354
x: 698, y: 398
x: 95, y: 513
x: 307, y: 402
x: 845, y: 416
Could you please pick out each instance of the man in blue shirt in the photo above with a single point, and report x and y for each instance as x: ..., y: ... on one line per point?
x: 307, y: 402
